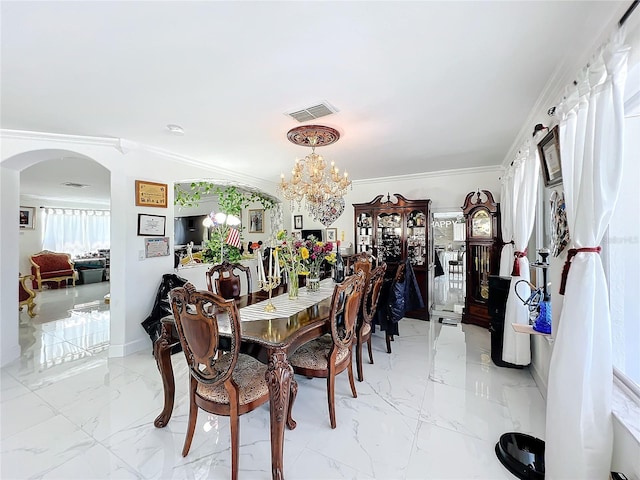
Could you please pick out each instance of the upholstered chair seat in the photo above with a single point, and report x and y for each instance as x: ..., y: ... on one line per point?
x: 249, y: 375
x: 315, y: 354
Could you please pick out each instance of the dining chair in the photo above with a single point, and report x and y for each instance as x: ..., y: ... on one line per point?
x: 331, y: 354
x: 224, y: 279
x: 362, y: 261
x: 368, y: 308
x: 225, y: 383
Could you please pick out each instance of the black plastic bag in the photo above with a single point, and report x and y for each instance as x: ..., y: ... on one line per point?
x: 162, y: 307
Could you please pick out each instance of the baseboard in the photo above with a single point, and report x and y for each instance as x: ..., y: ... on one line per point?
x: 130, y: 348
x: 9, y: 355
x: 539, y: 379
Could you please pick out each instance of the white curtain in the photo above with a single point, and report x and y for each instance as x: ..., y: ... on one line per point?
x: 516, y: 346
x: 579, y: 431
x: 506, y: 223
x: 76, y: 231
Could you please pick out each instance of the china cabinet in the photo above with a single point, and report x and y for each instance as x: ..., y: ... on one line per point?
x: 394, y: 231
x: 483, y: 242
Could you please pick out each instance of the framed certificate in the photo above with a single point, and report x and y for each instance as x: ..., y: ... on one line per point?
x: 156, y: 247
x: 150, y: 194
x: 151, y: 225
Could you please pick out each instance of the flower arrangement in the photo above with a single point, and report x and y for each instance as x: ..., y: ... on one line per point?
x: 316, y: 252
x: 303, y: 257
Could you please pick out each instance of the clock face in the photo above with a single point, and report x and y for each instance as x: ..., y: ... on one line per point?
x: 481, y: 224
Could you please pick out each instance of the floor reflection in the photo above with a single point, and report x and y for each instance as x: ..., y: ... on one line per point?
x: 70, y: 324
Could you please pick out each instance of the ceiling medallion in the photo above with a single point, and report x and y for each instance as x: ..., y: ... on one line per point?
x: 320, y: 188
x: 319, y: 134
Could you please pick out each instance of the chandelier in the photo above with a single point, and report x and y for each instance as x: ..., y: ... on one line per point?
x: 320, y: 188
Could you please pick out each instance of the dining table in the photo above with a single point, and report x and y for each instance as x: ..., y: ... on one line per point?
x: 269, y: 337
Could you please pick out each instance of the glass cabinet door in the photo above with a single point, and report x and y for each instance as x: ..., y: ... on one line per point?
x: 364, y: 232
x: 389, y: 237
x: 416, y: 237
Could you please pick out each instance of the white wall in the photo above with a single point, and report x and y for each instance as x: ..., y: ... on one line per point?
x: 133, y: 283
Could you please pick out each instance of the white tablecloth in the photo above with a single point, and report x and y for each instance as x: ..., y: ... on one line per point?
x: 286, y: 307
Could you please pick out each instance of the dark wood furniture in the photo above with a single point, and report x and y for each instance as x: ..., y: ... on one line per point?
x: 268, y: 340
x: 395, y: 231
x: 331, y: 354
x: 223, y: 383
x: 483, y: 241
x: 368, y: 308
x: 223, y: 280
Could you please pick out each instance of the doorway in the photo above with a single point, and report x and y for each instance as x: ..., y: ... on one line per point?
x: 450, y: 269
x: 69, y: 195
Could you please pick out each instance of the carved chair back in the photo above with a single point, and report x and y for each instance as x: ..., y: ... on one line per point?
x: 223, y: 280
x: 345, y: 305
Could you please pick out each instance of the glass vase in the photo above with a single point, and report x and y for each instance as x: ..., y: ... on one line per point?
x: 292, y: 288
x: 313, y: 280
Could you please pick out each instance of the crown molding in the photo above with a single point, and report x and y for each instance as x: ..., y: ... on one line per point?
x: 423, y: 175
x: 116, y: 143
x: 125, y: 146
x: 229, y: 174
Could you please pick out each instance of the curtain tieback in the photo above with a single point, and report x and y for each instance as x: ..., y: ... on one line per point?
x: 509, y: 243
x: 516, y: 264
x: 567, y: 264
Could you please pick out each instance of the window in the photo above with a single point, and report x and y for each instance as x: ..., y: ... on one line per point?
x: 76, y: 231
x: 621, y: 248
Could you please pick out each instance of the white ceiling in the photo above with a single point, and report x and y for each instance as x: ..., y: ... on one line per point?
x: 420, y: 86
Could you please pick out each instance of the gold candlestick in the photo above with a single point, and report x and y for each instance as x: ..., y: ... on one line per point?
x: 271, y: 280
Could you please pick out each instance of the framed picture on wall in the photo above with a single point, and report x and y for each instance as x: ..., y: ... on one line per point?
x: 297, y: 222
x: 297, y: 234
x: 332, y: 235
x: 549, y: 152
x: 151, y: 225
x: 156, y: 247
x: 256, y: 221
x: 27, y: 218
x: 151, y: 194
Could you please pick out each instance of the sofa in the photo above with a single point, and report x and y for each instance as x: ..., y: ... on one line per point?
x: 52, y: 267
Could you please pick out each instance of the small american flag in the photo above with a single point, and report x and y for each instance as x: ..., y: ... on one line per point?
x: 233, y: 238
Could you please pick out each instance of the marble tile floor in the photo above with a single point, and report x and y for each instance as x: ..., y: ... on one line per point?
x: 433, y: 409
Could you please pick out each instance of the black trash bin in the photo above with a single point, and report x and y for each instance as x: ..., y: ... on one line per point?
x: 497, y: 303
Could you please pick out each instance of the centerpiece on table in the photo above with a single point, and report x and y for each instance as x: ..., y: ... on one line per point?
x: 302, y: 257
x: 318, y: 252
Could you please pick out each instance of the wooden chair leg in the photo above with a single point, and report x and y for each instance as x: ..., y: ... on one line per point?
x: 234, y: 420
x: 351, y: 381
x: 193, y: 417
x: 389, y: 338
x: 331, y: 384
x: 359, y: 360
x: 369, y: 349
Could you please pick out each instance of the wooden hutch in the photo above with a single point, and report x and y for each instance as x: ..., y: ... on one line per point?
x: 483, y: 243
x: 393, y: 232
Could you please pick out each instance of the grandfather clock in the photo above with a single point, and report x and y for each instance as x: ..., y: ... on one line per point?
x: 483, y: 242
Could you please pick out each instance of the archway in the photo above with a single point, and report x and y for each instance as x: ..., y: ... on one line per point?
x: 44, y: 170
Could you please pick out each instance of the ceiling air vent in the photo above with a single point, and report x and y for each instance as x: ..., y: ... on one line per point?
x: 310, y: 113
x: 75, y: 185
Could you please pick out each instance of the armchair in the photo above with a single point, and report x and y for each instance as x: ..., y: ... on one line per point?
x: 26, y: 295
x: 55, y: 267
